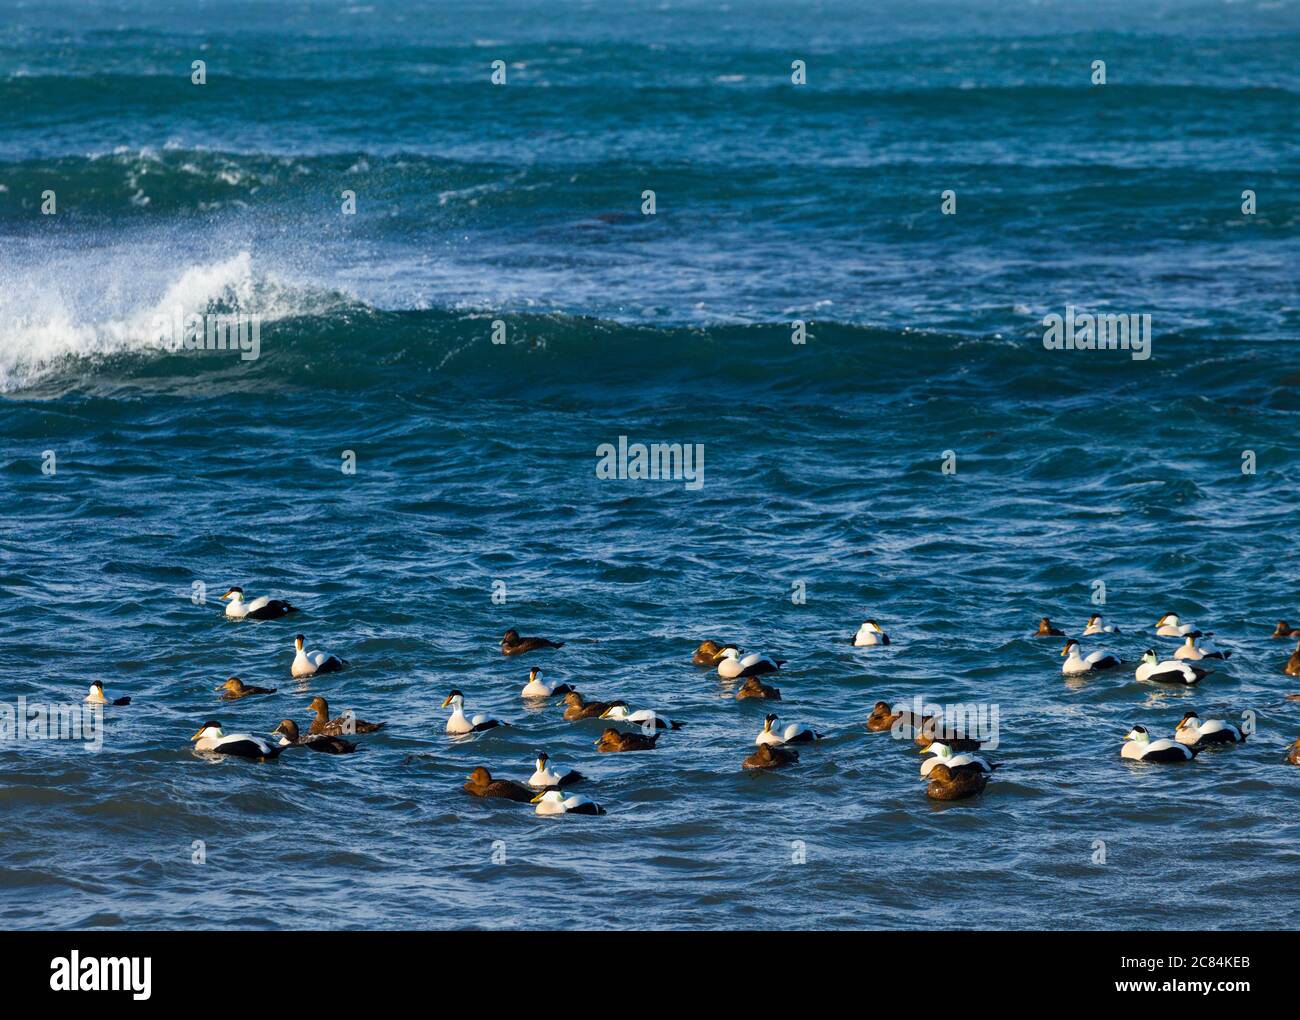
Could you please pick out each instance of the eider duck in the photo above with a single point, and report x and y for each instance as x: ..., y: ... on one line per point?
x: 1169, y: 626
x: 458, y: 724
x: 1197, y: 734
x: 236, y: 689
x: 870, y: 634
x: 883, y: 719
x: 707, y: 654
x: 547, y: 778
x: 1284, y: 630
x: 791, y: 734
x: 1194, y: 653
x: 643, y: 717
x: 347, y: 723
x: 1045, y: 629
x: 540, y: 689
x: 261, y: 608
x: 95, y: 695
x: 1095, y: 626
x: 1293, y: 755
x: 553, y: 802
x: 769, y: 757
x: 755, y: 688
x: 513, y: 644
x: 944, y: 755
x: 948, y: 785
x: 1170, y: 671
x: 481, y: 784
x: 326, y: 744
x: 576, y: 707
x: 211, y: 739
x: 1292, y: 667
x: 732, y: 664
x: 1075, y: 663
x: 311, y: 663
x: 1139, y: 746
x: 612, y: 741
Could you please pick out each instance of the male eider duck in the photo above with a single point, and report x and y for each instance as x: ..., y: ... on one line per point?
x: 481, y: 784
x: 1285, y: 630
x: 945, y: 784
x: 288, y: 730
x: 1169, y: 626
x: 236, y: 689
x: 210, y: 739
x: 944, y: 755
x: 1197, y: 734
x: 733, y: 664
x: 541, y: 689
x: 553, y: 802
x: 769, y: 757
x: 513, y: 644
x: 347, y: 723
x: 96, y: 696
x: 935, y: 732
x: 1170, y: 671
x: 1139, y: 746
x: 1095, y: 626
x: 312, y: 663
x: 262, y: 608
x: 755, y: 688
x: 1045, y: 629
x: 643, y: 717
x: 458, y: 724
x: 1194, y: 653
x: 707, y: 654
x: 612, y: 741
x: 793, y: 733
x: 576, y: 707
x: 547, y: 778
x: 1075, y: 663
x: 1293, y: 755
x: 1292, y: 667
x: 870, y: 634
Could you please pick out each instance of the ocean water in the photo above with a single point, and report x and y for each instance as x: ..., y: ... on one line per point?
x: 475, y: 463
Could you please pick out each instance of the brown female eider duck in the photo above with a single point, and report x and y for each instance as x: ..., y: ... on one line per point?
x: 513, y: 644
x: 1284, y: 629
x: 288, y: 730
x: 769, y: 757
x: 1293, y: 755
x: 948, y: 785
x: 96, y: 696
x: 707, y: 654
x: 613, y: 741
x: 576, y: 707
x: 346, y: 723
x: 481, y: 784
x: 1292, y: 667
x: 1045, y: 629
x: 236, y: 689
x: 755, y: 688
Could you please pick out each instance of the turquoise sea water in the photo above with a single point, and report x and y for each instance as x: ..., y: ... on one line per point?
x: 475, y: 462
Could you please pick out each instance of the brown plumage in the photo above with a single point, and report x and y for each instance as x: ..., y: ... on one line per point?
x: 946, y: 784
x: 335, y: 727
x: 613, y: 741
x: 481, y: 784
x: 318, y: 742
x: 883, y: 718
x: 1293, y: 663
x: 1284, y: 629
x: 1045, y: 629
x: 769, y: 757
x: 577, y: 708
x: 236, y: 689
x: 754, y: 688
x: 513, y: 644
x: 708, y: 653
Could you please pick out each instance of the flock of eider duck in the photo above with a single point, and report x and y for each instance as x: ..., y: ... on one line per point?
x: 952, y: 765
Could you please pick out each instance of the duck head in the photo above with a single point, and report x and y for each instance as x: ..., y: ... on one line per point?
x: 549, y: 796
x: 454, y: 699
x: 287, y: 729
x: 542, y: 759
x: 1168, y: 618
x: 610, y: 736
x: 729, y: 653
x: 211, y: 728
x: 574, y: 700
x: 480, y: 776
x: 297, y: 641
x: 1149, y: 657
x: 1283, y: 629
x: 510, y: 637
x: 768, y: 720
x: 234, y: 594
x: 234, y: 684
x: 320, y: 706
x: 1191, y: 719
x: 534, y: 673
x: 1138, y: 733
x: 1070, y: 646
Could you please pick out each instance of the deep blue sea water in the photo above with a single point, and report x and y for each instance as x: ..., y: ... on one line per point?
x: 475, y: 462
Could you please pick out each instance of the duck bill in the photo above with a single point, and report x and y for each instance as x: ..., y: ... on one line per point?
x: 537, y: 799
x: 196, y: 736
x: 446, y: 702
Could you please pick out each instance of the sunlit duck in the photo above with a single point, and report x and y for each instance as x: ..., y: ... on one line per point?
x: 1193, y: 732
x: 288, y: 730
x: 1170, y: 671
x: 1168, y: 626
x: 755, y: 688
x: 732, y: 664
x: 1074, y: 663
x: 458, y: 723
x: 211, y: 739
x: 1293, y: 664
x: 236, y: 689
x: 707, y: 654
x: 553, y: 802
x: 1045, y: 629
x: 1095, y: 626
x: 1194, y: 653
x: 643, y: 717
x: 1293, y: 755
x: 1284, y: 629
x: 944, y: 755
x: 347, y: 723
x: 513, y: 644
x: 546, y: 778
x: 577, y: 707
x: 96, y: 696
x: 946, y: 784
x: 540, y: 689
x: 481, y: 784
x: 311, y: 663
x: 1139, y: 746
x: 261, y: 608
x: 883, y: 718
x: 613, y: 741
x: 870, y: 634
x: 769, y: 757
x: 794, y: 733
